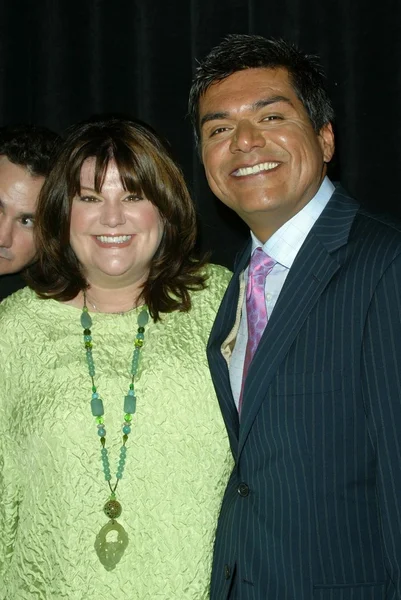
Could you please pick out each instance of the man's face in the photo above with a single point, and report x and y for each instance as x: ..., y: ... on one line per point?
x: 261, y: 154
x: 18, y: 196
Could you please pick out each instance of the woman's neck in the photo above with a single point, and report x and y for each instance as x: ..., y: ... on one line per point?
x: 110, y: 300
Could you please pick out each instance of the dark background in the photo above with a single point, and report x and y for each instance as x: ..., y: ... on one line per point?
x: 61, y: 61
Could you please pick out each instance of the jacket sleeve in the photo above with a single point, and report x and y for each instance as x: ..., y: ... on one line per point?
x: 381, y: 385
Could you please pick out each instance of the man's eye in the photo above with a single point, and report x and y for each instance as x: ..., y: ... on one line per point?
x: 218, y: 130
x: 272, y: 118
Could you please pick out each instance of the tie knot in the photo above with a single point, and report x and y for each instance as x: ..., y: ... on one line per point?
x: 261, y: 263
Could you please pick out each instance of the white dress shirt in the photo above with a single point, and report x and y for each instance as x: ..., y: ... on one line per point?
x: 282, y: 246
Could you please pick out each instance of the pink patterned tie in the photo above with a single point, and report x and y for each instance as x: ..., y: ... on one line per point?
x: 260, y: 266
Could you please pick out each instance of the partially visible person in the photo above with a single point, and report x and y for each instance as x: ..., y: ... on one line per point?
x: 25, y: 157
x: 116, y: 231
x: 305, y: 352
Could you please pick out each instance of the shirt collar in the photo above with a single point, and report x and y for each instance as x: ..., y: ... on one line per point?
x: 285, y: 243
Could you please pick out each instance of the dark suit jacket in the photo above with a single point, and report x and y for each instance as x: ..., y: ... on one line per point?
x: 10, y: 284
x: 313, y: 507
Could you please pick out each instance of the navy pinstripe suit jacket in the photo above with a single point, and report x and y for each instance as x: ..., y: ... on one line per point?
x: 313, y: 506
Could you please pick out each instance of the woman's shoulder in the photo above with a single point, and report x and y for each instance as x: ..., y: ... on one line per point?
x: 217, y: 279
x: 217, y: 276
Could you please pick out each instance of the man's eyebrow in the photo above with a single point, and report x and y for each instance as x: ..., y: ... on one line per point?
x: 21, y: 215
x: 270, y: 100
x: 214, y: 116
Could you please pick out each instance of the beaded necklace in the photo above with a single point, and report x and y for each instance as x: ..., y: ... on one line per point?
x: 110, y: 552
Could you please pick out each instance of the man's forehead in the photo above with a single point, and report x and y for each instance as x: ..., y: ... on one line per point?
x: 249, y: 85
x: 19, y: 190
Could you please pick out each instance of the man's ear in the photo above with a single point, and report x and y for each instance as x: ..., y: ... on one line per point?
x: 326, y: 140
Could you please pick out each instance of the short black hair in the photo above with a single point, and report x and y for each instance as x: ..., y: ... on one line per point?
x: 238, y: 52
x: 29, y: 146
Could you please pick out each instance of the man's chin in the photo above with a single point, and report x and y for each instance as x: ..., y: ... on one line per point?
x: 7, y: 266
x: 9, y: 269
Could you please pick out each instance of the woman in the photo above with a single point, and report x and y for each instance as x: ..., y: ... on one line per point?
x: 102, y: 498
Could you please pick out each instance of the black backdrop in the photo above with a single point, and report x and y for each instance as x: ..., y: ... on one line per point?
x: 63, y: 60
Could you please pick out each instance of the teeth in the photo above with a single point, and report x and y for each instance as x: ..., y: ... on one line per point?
x: 267, y: 166
x: 113, y: 239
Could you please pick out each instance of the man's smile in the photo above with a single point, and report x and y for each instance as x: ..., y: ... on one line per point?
x: 255, y: 169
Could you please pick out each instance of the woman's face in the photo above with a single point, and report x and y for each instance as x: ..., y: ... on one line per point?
x: 114, y: 233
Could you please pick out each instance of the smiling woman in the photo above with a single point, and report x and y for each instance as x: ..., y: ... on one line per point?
x: 114, y: 233
x: 113, y: 473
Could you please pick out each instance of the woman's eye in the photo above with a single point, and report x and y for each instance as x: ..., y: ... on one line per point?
x: 88, y: 199
x: 134, y: 198
x: 27, y: 221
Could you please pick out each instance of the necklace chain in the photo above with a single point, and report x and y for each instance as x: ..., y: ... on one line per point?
x: 112, y: 508
x: 117, y: 312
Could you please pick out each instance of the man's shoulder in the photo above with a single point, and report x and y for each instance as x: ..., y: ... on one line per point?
x: 10, y: 284
x: 18, y: 304
x: 366, y: 224
x: 384, y: 230
x: 380, y: 221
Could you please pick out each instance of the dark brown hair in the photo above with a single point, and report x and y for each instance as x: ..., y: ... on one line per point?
x: 29, y: 146
x: 145, y: 166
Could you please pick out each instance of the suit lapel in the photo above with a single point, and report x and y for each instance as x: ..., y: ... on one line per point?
x: 313, y: 268
x: 218, y: 365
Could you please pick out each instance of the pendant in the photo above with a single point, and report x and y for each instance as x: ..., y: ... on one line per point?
x: 112, y: 540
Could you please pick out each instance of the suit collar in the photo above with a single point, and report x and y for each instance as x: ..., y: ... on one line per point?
x: 334, y: 224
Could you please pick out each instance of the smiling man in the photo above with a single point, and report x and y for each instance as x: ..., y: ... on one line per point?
x: 305, y: 352
x: 25, y: 155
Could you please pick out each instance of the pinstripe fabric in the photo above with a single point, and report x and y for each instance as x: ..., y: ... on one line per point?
x: 319, y: 445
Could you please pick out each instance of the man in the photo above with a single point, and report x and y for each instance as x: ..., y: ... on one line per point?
x: 313, y: 507
x: 25, y: 157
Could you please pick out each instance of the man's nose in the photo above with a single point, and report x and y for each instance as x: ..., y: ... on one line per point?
x: 247, y: 137
x: 6, y: 232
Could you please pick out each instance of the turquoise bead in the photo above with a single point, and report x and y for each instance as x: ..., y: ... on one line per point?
x: 129, y: 404
x: 97, y: 407
x: 140, y: 336
x: 143, y: 318
x: 101, y: 432
x: 126, y: 429
x: 86, y: 320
